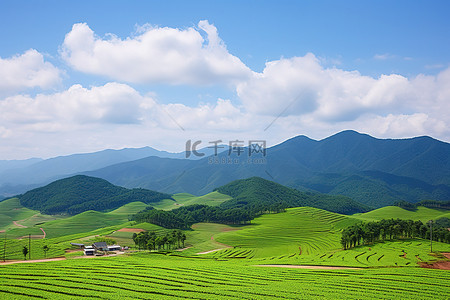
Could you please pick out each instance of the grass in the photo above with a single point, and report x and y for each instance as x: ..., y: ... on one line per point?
x: 183, y: 199
x: 129, y: 209
x: 278, y: 238
x: 11, y: 210
x: 423, y: 214
x: 310, y: 229
x: 229, y: 273
x: 150, y: 276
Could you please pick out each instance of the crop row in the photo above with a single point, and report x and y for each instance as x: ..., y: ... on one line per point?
x: 149, y: 277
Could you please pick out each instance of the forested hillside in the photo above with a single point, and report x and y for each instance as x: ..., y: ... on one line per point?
x: 257, y: 194
x: 80, y: 193
x: 376, y: 172
x: 250, y: 198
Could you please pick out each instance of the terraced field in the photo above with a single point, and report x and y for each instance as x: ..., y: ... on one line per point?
x: 423, y: 214
x: 160, y: 277
x: 299, y: 230
x: 311, y: 236
x: 13, y: 215
x: 182, y: 199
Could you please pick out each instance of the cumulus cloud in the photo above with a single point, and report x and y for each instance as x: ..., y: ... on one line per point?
x: 27, y: 70
x: 112, y: 103
x: 300, y: 86
x: 155, y: 55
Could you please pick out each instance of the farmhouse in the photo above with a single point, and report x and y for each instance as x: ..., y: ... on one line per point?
x: 89, y: 250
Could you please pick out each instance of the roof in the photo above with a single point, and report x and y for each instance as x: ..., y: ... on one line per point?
x: 100, y: 245
x: 77, y: 244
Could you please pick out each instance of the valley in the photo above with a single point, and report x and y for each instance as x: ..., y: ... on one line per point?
x: 282, y: 241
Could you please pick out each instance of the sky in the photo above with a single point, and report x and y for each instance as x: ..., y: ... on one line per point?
x: 83, y: 76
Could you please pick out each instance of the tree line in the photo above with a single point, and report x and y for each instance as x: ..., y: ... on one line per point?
x: 184, y: 217
x: 151, y: 241
x: 426, y: 203
x: 390, y: 229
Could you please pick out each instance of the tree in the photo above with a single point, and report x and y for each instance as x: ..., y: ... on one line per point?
x: 45, y: 248
x: 183, y: 238
x: 25, y: 252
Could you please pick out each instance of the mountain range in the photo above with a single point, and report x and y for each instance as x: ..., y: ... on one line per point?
x: 375, y: 172
x: 18, y: 176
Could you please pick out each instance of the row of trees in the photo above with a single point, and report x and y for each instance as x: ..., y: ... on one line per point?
x: 426, y: 203
x: 184, y: 217
x: 151, y: 241
x: 368, y: 233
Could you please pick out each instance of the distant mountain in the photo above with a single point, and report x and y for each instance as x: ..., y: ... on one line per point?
x: 81, y: 193
x: 256, y: 193
x: 376, y: 172
x: 20, y: 176
x: 6, y: 165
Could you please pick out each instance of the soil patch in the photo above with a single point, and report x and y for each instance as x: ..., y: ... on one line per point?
x: 131, y: 230
x: 2, y: 231
x: 309, y: 267
x: 442, y: 265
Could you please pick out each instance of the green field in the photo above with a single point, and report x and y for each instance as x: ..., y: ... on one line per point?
x: 11, y: 210
x: 423, y: 214
x: 221, y: 261
x: 152, y: 276
x: 182, y: 199
x: 315, y: 233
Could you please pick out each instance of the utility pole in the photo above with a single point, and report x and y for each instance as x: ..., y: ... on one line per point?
x: 29, y: 246
x: 4, y: 248
x: 431, y: 235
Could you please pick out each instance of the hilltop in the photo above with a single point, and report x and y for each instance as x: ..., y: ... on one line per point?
x: 375, y: 172
x: 259, y: 194
x: 80, y: 193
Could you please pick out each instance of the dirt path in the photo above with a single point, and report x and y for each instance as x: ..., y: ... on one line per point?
x: 210, y: 251
x: 43, y: 232
x: 31, y: 261
x: 19, y: 225
x: 182, y: 249
x: 309, y: 267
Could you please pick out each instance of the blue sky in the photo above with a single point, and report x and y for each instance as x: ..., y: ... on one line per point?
x: 380, y: 67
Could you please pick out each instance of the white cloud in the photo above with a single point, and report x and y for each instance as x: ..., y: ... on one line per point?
x: 155, y: 55
x: 27, y: 70
x: 300, y: 85
x: 111, y: 103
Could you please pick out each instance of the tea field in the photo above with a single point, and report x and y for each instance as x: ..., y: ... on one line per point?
x: 153, y: 276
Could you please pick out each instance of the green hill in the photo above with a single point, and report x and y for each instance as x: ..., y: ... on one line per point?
x: 80, y: 193
x: 258, y: 195
x: 423, y: 214
x: 306, y: 235
x: 184, y: 199
x: 12, y: 211
x: 376, y: 172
